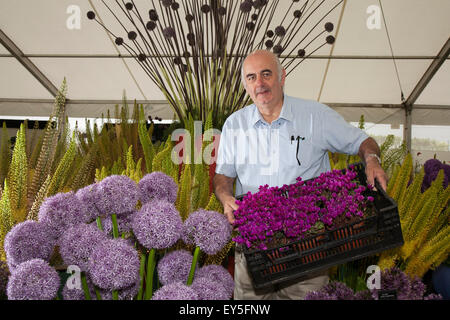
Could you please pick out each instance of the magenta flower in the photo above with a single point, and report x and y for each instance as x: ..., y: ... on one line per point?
x: 77, y: 243
x: 157, y: 225
x: 208, y: 230
x: 33, y: 280
x: 157, y: 186
x: 175, y: 291
x: 174, y: 266
x: 114, y: 264
x: 61, y: 211
x: 117, y: 195
x: 28, y: 240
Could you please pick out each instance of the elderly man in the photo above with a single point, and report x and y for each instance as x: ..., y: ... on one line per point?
x: 273, y: 141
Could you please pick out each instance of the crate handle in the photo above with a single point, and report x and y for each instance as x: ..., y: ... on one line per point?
x: 287, y: 258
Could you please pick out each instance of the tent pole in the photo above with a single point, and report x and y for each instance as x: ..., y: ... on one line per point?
x: 407, y: 127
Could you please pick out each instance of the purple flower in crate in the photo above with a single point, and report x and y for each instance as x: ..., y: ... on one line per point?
x: 78, y: 242
x: 33, y: 280
x: 158, y: 225
x: 208, y: 230
x: 114, y: 264
x: 117, y: 195
x: 175, y: 291
x: 124, y: 223
x: 218, y: 274
x: 157, y: 186
x: 208, y: 289
x: 61, y: 211
x: 28, y: 240
x: 88, y: 196
x: 175, y: 266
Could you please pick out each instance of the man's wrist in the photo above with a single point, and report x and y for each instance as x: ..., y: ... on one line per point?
x: 373, y: 156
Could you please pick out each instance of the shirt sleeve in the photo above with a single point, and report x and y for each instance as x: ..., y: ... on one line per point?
x: 338, y: 135
x: 225, y: 163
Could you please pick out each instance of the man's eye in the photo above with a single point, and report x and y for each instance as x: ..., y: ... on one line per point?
x: 267, y: 75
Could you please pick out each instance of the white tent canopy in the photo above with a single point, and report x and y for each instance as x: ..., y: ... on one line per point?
x: 355, y: 76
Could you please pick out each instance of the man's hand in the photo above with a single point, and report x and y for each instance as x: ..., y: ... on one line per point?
x: 229, y: 206
x: 375, y: 171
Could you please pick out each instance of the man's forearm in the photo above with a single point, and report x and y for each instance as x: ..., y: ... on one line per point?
x: 223, y: 187
x: 368, y: 147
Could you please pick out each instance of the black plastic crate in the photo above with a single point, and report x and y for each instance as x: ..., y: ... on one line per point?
x: 296, y: 260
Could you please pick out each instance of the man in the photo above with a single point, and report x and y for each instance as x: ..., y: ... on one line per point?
x: 280, y: 138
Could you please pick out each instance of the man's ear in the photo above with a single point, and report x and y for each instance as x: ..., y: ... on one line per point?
x: 283, y: 77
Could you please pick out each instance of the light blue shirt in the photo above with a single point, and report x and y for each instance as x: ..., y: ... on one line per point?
x: 258, y: 153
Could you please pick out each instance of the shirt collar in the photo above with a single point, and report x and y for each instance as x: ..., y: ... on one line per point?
x: 286, y: 112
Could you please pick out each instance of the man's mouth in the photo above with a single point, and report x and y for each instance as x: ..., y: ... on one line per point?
x: 262, y: 91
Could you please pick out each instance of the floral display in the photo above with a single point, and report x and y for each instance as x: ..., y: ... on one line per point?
x: 124, y: 223
x: 218, y: 274
x: 157, y: 186
x: 116, y: 195
x: 174, y: 267
x: 34, y: 279
x: 88, y: 196
x: 293, y: 211
x: 175, y: 291
x: 405, y: 288
x: 432, y: 168
x: 28, y: 240
x: 208, y: 289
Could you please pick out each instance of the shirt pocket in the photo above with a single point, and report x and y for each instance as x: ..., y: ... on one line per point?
x: 300, y: 153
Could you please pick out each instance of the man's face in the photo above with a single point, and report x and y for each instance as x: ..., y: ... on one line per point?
x: 262, y: 80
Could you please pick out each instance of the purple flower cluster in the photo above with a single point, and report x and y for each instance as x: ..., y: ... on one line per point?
x: 114, y: 264
x: 208, y: 230
x: 291, y: 211
x: 77, y: 293
x: 116, y: 195
x: 124, y: 223
x: 391, y: 279
x: 432, y: 168
x: 88, y: 196
x: 78, y: 242
x: 175, y: 291
x: 158, y: 225
x: 28, y: 240
x: 208, y: 289
x: 157, y: 186
x: 61, y: 211
x: 175, y: 266
x: 34, y: 279
x: 219, y: 275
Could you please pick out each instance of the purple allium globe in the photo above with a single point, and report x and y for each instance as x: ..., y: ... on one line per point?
x: 28, y: 240
x: 157, y: 186
x: 33, y: 280
x: 114, y: 264
x: 208, y: 289
x: 61, y: 211
x: 157, y: 225
x: 88, y: 196
x: 128, y: 293
x: 117, y: 195
x: 175, y: 291
x: 124, y: 223
x: 218, y: 274
x: 75, y: 291
x: 77, y: 243
x: 208, y: 230
x: 175, y: 266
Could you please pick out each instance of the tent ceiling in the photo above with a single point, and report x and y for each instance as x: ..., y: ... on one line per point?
x: 417, y: 29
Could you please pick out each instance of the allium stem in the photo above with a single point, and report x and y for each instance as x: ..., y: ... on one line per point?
x: 114, y: 225
x: 87, y: 295
x: 99, y: 223
x: 194, y: 263
x: 149, y: 277
x: 115, y: 295
x: 97, y: 294
x: 141, y: 277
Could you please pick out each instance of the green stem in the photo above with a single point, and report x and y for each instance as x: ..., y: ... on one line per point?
x: 99, y: 223
x: 97, y: 294
x: 115, y: 295
x: 114, y: 225
x: 87, y: 295
x: 149, y: 277
x: 141, y: 276
x: 193, y: 265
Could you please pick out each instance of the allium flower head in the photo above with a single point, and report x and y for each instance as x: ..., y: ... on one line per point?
x: 157, y: 225
x: 218, y: 274
x: 157, y: 186
x: 209, y: 230
x: 114, y: 264
x: 77, y: 293
x: 33, y: 280
x: 117, y: 195
x: 88, y: 196
x: 175, y: 291
x: 208, y: 289
x: 175, y: 266
x: 61, y: 211
x: 28, y: 240
x: 128, y: 293
x: 77, y: 243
